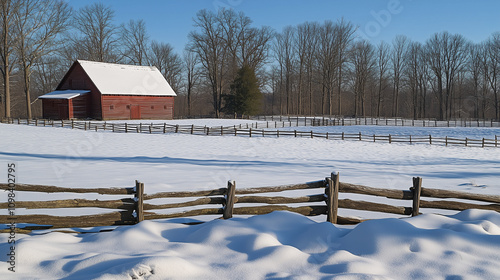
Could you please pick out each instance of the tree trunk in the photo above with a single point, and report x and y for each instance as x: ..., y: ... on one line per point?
x: 27, y: 87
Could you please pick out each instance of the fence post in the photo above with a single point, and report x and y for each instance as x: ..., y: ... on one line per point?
x: 192, y: 128
x: 332, y: 198
x: 221, y: 130
x: 176, y: 128
x: 250, y: 132
x: 390, y: 139
x: 496, y: 141
x: 126, y: 128
x: 430, y: 139
x: 446, y: 140
x: 342, y: 135
x: 483, y: 142
x: 359, y: 136
x: 228, y: 208
x: 139, y: 201
x: 416, y: 189
x: 466, y: 140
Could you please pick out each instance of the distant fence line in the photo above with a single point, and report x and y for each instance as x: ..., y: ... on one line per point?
x: 252, y: 130
x: 132, y: 210
x: 343, y: 121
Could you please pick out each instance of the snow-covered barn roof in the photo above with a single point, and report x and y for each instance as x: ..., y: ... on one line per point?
x: 63, y: 94
x: 121, y: 79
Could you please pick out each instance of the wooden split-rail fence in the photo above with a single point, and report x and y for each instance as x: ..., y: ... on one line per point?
x: 229, y: 201
x: 289, y: 121
x: 268, y: 129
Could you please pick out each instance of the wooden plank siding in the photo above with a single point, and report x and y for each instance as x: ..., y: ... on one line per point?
x: 119, y: 107
x: 55, y: 108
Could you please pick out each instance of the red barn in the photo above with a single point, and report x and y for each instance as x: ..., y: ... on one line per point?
x: 108, y: 91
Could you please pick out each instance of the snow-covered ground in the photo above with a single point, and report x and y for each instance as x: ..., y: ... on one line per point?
x: 275, y: 246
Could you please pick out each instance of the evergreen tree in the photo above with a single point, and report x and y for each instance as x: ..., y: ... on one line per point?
x: 245, y: 96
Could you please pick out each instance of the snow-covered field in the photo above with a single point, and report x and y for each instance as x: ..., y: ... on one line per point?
x: 275, y: 246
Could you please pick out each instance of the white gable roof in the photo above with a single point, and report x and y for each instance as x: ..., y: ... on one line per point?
x: 64, y: 94
x: 121, y: 79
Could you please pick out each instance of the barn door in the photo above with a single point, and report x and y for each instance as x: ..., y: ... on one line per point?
x: 135, y: 112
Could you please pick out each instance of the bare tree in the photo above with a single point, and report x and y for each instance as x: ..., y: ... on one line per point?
x: 346, y: 32
x: 208, y: 43
x: 363, y: 61
x: 447, y: 55
x: 169, y: 63
x: 398, y: 60
x: 414, y: 59
x: 47, y: 73
x: 306, y: 45
x: 493, y: 61
x: 193, y: 75
x: 39, y: 23
x: 327, y: 62
x: 382, y: 63
x: 98, y: 36
x: 284, y: 54
x: 135, y: 40
x: 475, y: 68
x: 8, y: 41
x: 224, y: 42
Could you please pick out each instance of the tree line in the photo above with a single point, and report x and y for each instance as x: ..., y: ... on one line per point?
x: 229, y: 66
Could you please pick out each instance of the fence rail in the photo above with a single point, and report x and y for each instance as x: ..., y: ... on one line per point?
x: 230, y: 201
x: 289, y: 121
x: 253, y: 130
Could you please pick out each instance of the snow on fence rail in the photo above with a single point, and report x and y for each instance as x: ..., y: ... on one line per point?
x: 228, y: 201
x: 250, y: 131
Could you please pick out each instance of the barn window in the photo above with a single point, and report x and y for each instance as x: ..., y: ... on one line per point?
x: 128, y: 107
x: 111, y: 107
x: 152, y: 107
x: 165, y: 107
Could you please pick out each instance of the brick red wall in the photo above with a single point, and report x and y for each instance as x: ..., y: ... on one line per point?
x: 152, y: 107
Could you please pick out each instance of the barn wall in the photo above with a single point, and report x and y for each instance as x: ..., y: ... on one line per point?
x: 118, y: 107
x: 55, y: 108
x: 81, y: 106
x: 76, y: 78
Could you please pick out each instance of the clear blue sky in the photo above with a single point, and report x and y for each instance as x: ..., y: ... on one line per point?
x: 170, y: 21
